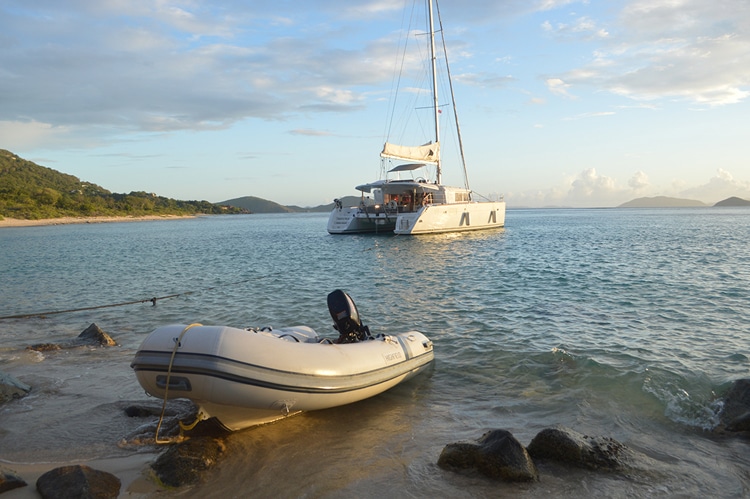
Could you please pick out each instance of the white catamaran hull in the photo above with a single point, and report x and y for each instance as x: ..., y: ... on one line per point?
x: 433, y: 219
x: 249, y: 377
x: 354, y: 220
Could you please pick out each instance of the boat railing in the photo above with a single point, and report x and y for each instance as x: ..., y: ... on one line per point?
x: 390, y: 209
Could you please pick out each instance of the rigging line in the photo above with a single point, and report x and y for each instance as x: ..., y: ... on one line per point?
x: 453, y: 98
x: 395, y: 89
x: 112, y: 305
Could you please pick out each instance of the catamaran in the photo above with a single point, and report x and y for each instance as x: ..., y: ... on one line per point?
x: 420, y: 204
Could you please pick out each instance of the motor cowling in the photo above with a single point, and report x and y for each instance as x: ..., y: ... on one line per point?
x: 346, y: 318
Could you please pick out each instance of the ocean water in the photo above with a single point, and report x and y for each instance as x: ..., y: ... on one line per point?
x: 624, y: 323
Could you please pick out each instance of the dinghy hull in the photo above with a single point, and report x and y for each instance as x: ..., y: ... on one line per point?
x: 250, y: 377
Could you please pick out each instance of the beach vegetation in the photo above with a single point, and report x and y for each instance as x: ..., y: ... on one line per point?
x: 29, y: 191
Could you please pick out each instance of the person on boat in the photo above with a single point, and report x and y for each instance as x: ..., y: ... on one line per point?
x: 406, y: 202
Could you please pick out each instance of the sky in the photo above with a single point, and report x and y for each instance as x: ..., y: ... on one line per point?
x: 561, y: 102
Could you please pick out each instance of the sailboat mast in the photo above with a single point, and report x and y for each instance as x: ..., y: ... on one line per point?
x: 436, y: 109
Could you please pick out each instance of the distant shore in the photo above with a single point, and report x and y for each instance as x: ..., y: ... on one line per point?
x: 17, y: 222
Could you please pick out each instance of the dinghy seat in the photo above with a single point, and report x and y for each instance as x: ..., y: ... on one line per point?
x: 346, y: 318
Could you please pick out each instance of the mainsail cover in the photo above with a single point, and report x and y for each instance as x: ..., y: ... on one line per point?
x: 429, y: 152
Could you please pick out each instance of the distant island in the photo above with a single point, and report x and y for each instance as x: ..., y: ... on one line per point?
x: 668, y: 202
x: 733, y: 201
x: 662, y: 202
x: 32, y: 192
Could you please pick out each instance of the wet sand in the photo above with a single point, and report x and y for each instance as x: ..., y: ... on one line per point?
x: 16, y: 222
x: 133, y: 472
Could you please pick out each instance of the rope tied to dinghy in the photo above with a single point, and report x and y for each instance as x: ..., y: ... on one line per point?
x: 177, y: 342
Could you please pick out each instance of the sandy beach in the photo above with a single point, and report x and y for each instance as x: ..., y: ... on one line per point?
x: 133, y: 472
x: 16, y: 222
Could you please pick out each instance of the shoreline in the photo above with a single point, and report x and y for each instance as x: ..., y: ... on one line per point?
x: 19, y: 222
x: 133, y: 471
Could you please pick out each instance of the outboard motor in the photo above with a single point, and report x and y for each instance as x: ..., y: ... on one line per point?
x: 346, y: 318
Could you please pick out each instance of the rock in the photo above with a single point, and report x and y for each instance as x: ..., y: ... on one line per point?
x: 570, y: 447
x: 44, y: 347
x: 11, y: 388
x: 91, y: 336
x: 9, y: 480
x: 497, y: 454
x: 177, y: 410
x: 186, y: 462
x: 735, y: 413
x: 77, y: 481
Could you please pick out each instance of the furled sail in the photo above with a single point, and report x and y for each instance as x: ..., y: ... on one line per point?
x: 428, y: 152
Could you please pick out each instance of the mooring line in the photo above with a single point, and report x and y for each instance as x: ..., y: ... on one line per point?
x: 134, y: 302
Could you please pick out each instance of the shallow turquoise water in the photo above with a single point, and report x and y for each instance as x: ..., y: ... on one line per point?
x: 623, y: 323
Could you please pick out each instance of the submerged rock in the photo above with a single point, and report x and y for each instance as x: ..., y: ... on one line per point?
x: 78, y: 481
x: 11, y: 388
x: 9, y: 480
x: 497, y: 454
x: 176, y: 411
x: 567, y: 446
x: 91, y: 336
x: 185, y: 463
x: 735, y: 414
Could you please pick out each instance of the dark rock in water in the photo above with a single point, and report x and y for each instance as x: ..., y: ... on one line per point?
x: 44, y: 347
x: 9, y: 480
x: 91, y: 336
x: 77, y: 481
x: 177, y: 410
x: 497, y: 454
x: 11, y: 388
x: 735, y: 415
x: 179, y: 416
x: 186, y: 462
x: 570, y: 447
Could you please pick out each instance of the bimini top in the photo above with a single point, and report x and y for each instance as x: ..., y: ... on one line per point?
x: 399, y: 184
x: 407, y: 167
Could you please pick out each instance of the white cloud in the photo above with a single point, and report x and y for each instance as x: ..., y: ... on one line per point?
x: 721, y: 186
x: 310, y: 133
x: 554, y: 4
x: 168, y: 66
x: 484, y: 79
x: 687, y: 49
x: 590, y: 189
x: 25, y: 134
x: 581, y: 28
x: 638, y: 182
x: 590, y: 115
x: 558, y: 87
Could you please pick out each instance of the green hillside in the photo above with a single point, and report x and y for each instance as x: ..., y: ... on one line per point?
x: 259, y: 205
x: 31, y: 191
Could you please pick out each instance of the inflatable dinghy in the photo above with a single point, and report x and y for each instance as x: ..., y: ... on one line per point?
x: 246, y: 377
